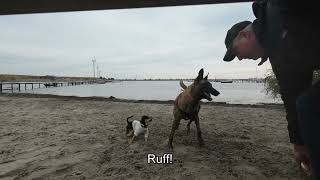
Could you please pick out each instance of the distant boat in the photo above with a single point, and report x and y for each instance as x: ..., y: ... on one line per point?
x: 230, y: 81
x: 103, y: 81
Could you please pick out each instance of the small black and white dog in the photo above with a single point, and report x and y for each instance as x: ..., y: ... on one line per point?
x: 137, y: 127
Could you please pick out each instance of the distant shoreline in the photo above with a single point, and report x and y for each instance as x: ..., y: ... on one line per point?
x: 114, y: 99
x: 49, y: 78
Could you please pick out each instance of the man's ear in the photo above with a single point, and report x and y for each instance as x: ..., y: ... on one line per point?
x: 245, y: 34
x: 241, y: 34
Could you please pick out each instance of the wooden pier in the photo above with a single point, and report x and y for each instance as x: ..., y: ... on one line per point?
x: 11, y: 86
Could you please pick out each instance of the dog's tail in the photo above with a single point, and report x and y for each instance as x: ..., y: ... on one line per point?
x: 182, y: 85
x: 129, y: 118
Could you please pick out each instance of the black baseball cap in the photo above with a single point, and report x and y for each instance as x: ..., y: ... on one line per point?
x: 231, y: 35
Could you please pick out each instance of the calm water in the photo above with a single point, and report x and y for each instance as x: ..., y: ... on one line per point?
x: 238, y: 93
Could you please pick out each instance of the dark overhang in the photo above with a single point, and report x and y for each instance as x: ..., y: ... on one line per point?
x: 45, y: 6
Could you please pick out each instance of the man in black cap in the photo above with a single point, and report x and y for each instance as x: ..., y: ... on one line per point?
x: 288, y: 37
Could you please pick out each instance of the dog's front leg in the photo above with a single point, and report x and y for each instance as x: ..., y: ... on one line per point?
x: 175, y: 126
x: 146, y: 135
x: 196, y: 120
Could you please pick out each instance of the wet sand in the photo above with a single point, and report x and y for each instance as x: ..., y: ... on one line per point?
x: 52, y: 137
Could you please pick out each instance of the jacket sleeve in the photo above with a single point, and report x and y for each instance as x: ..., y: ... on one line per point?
x: 293, y: 80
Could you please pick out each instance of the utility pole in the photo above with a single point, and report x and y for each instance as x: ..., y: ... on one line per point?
x: 98, y: 74
x: 256, y: 73
x: 94, y: 67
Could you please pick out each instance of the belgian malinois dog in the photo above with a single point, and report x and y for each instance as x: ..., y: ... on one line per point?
x: 187, y: 104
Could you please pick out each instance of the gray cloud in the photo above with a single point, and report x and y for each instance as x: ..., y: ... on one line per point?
x: 143, y: 43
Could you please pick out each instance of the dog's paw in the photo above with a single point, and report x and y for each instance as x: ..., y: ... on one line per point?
x: 169, y: 146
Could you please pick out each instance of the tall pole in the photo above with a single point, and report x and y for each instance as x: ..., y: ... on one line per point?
x: 98, y: 72
x: 94, y: 67
x: 256, y: 73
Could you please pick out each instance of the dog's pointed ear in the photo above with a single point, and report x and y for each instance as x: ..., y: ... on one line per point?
x: 206, y: 77
x: 200, y: 75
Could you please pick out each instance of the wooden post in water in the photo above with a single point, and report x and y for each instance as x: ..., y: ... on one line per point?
x: 19, y: 87
x: 39, y: 85
x: 32, y: 85
x: 25, y: 86
x: 0, y: 87
x: 11, y: 87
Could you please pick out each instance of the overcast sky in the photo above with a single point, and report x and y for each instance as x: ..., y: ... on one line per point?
x: 170, y: 42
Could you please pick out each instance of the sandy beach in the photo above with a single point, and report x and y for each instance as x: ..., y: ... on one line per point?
x: 51, y: 137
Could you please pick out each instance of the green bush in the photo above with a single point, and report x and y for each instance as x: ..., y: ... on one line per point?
x: 271, y: 85
x: 316, y: 76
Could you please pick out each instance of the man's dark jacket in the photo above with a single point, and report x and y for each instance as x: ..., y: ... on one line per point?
x: 289, y: 33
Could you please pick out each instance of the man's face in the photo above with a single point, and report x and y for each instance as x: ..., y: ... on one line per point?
x: 245, y: 46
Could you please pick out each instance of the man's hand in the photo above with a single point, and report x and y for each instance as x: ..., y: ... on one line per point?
x: 302, y: 158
